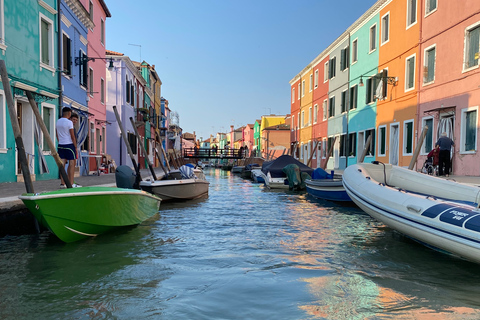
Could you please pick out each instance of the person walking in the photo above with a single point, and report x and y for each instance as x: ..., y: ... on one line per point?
x: 67, y: 145
x: 445, y: 144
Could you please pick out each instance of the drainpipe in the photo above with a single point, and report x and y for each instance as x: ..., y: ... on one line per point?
x: 59, y: 54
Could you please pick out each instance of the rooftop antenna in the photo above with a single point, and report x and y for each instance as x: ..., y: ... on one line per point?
x: 137, y: 45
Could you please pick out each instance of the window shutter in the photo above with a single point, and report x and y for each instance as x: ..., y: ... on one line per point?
x: 44, y: 32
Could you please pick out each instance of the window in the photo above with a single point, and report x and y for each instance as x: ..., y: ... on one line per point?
x: 132, y: 140
x: 132, y: 94
x: 90, y: 10
x: 127, y: 91
x: 430, y: 6
x: 67, y: 55
x: 326, y: 72
x: 293, y: 95
x: 3, y: 128
x: 408, y: 137
x: 46, y: 41
x: 353, y: 97
x: 298, y: 120
x: 331, y: 107
x: 330, y: 144
x: 2, y: 26
x: 325, y: 109
x: 382, y: 140
x: 428, y: 143
x: 83, y: 69
x: 48, y: 119
x: 411, y: 12
x: 355, y: 50
x: 316, y: 78
x: 373, y: 38
x: 385, y: 28
x: 293, y: 123
x: 310, y: 116
x: 410, y: 73
x: 429, y: 67
x: 92, y: 137
x: 303, y: 118
x: 315, y: 113
x: 352, y: 144
x: 371, y: 86
x: 299, y: 90
x: 468, y: 138
x: 102, y: 32
x: 344, y: 56
x: 472, y: 41
x: 343, y: 145
x: 371, y: 147
x: 90, y: 87
x: 303, y: 88
x: 343, y: 101
x: 332, y: 68
x: 102, y: 91
x: 311, y: 82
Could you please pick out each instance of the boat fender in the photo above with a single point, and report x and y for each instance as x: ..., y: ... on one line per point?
x: 359, y: 170
x: 412, y: 207
x: 381, y: 184
x: 368, y: 178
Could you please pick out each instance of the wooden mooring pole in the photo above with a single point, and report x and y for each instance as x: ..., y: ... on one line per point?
x: 49, y: 140
x: 418, y: 147
x: 142, y: 147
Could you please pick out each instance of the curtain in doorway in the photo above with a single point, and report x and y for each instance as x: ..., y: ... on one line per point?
x: 82, y: 133
x: 41, y: 158
x: 394, y: 146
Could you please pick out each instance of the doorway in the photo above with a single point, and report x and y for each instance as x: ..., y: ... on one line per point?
x: 25, y: 118
x: 394, y: 143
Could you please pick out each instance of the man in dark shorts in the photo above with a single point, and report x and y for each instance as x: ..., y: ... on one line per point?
x: 67, y: 144
x: 445, y: 144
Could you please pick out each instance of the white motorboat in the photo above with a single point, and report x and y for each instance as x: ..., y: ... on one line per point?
x: 185, y: 183
x: 440, y: 213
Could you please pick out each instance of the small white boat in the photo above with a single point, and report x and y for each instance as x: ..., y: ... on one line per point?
x: 440, y: 213
x: 185, y: 183
x: 257, y: 175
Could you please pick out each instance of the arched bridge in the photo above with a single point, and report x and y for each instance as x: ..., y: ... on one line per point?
x: 203, y: 153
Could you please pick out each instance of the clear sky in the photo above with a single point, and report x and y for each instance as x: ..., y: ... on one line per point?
x: 227, y: 62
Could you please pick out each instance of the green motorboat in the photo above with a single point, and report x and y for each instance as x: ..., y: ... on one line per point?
x: 78, y: 213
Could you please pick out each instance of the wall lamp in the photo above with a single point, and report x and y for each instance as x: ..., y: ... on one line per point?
x: 82, y: 60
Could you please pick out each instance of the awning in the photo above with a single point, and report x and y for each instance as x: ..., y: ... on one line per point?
x: 446, y: 109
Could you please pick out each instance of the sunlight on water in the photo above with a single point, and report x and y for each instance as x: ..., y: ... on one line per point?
x: 244, y: 252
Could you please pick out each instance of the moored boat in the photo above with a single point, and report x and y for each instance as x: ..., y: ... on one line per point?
x: 185, y: 183
x: 77, y: 213
x: 275, y: 177
x: 327, y: 186
x: 440, y: 213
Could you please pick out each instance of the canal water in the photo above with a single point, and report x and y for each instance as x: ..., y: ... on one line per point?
x: 245, y: 252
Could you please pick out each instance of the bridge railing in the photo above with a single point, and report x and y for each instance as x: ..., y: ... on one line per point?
x: 214, y: 153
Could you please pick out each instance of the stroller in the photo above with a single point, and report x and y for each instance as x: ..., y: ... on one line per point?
x: 429, y: 168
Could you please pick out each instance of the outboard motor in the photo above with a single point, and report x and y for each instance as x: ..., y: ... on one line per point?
x: 125, y: 177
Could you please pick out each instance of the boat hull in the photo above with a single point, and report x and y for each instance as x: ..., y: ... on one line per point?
x: 327, y: 189
x: 78, y: 213
x: 439, y: 223
x: 175, y: 190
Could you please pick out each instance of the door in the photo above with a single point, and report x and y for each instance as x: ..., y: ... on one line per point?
x: 394, y: 143
x: 25, y: 121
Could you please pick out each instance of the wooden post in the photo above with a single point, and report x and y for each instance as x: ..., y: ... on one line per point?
x: 163, y: 151
x: 129, y: 149
x: 418, y: 147
x: 142, y: 147
x: 312, y: 153
x: 364, y: 152
x: 329, y: 153
x: 50, y: 143
x: 22, y: 156
x: 160, y: 161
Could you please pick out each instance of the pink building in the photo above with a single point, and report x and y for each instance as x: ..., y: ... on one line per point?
x: 448, y: 86
x: 98, y: 12
x: 248, y: 137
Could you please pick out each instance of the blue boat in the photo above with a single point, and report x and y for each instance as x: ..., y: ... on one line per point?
x: 327, y: 186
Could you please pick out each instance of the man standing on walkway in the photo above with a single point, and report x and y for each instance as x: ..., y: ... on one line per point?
x: 67, y: 144
x: 445, y: 144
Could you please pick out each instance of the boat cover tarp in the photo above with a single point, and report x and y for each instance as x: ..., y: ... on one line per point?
x: 319, y: 173
x: 187, y: 172
x: 276, y: 166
